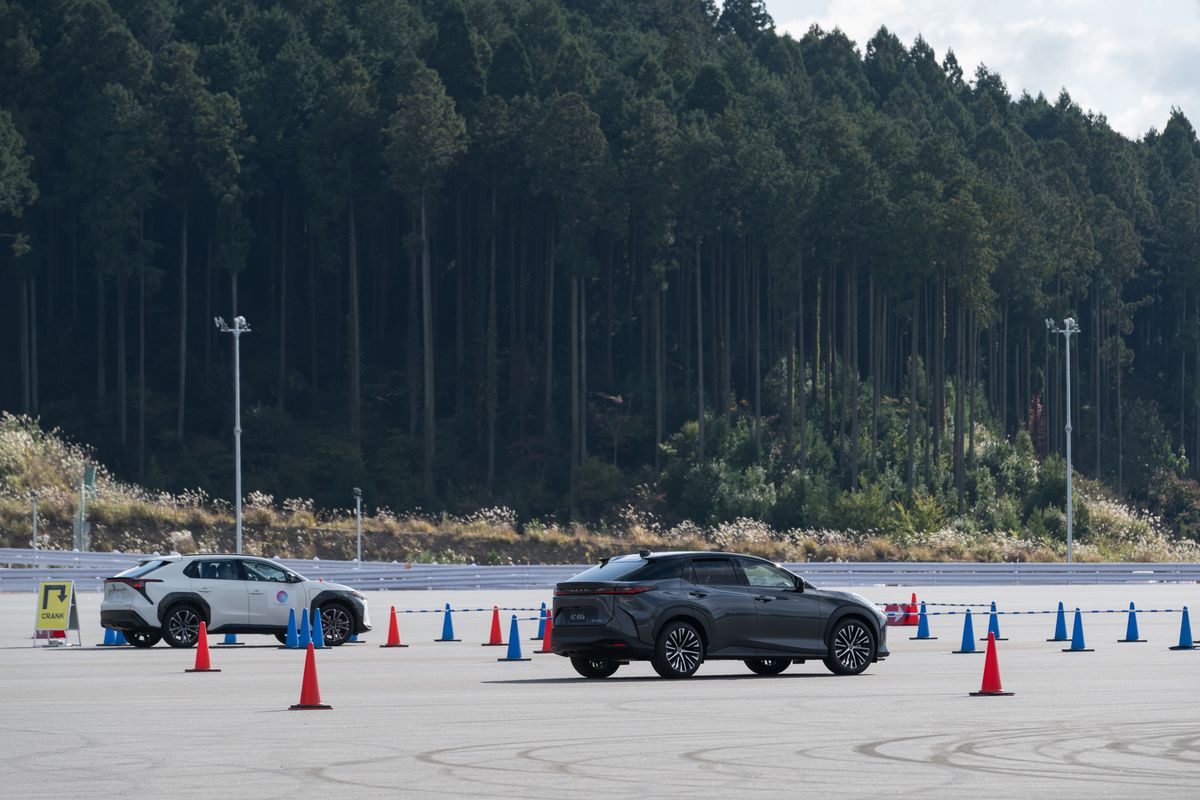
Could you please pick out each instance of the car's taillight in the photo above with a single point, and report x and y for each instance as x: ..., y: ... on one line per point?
x: 135, y: 583
x: 622, y: 590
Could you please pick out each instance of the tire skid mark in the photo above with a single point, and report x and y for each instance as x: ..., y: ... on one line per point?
x: 1071, y: 754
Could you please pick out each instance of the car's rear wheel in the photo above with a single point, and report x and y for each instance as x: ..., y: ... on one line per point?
x: 768, y: 666
x: 851, y: 648
x: 337, y: 623
x: 679, y: 651
x: 142, y: 638
x: 594, y: 667
x: 181, y: 626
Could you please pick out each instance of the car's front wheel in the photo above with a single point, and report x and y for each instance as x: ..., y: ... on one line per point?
x: 337, y: 623
x: 594, y: 667
x: 768, y: 666
x: 181, y: 626
x: 142, y: 638
x: 851, y: 648
x: 679, y: 651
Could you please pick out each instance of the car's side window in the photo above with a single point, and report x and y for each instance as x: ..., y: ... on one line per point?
x: 223, y: 570
x: 765, y: 575
x: 714, y: 572
x: 260, y: 571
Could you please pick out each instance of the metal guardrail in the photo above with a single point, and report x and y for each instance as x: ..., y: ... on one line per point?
x: 23, y: 568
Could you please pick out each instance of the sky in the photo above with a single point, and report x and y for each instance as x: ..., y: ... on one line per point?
x: 1131, y: 61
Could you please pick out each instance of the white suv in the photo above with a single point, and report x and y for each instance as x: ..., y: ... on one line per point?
x: 166, y: 597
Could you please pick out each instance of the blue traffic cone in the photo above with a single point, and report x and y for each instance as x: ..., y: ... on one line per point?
x: 293, y: 637
x: 447, y: 627
x: 994, y: 625
x: 514, y: 643
x: 922, y: 626
x: 541, y: 634
x: 110, y: 636
x: 119, y: 639
x: 318, y: 633
x: 1131, y: 629
x: 1185, y: 633
x: 353, y: 639
x: 968, y: 640
x: 1077, y: 645
x: 305, y: 635
x: 231, y: 640
x: 1060, y: 626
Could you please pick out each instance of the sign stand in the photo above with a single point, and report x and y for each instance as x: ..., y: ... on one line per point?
x: 57, y: 614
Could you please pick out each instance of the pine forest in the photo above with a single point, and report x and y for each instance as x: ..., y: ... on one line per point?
x: 609, y: 265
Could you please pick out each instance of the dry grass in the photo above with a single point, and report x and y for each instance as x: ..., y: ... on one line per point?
x: 129, y: 518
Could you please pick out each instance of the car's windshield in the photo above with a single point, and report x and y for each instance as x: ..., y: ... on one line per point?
x: 144, y: 568
x: 616, y: 570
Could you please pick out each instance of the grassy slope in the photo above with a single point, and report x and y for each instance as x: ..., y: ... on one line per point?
x: 129, y: 518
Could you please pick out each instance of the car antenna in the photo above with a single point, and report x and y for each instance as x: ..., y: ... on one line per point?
x: 644, y: 553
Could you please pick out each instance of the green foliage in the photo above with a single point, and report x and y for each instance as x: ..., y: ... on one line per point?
x: 394, y: 193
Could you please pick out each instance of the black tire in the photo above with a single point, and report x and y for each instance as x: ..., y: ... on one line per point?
x: 181, y: 625
x: 851, y: 647
x: 282, y: 637
x: 594, y: 667
x: 142, y: 638
x: 678, y: 652
x: 337, y: 623
x: 768, y: 666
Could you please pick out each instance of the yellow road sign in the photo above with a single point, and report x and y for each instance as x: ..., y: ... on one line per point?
x: 55, y: 601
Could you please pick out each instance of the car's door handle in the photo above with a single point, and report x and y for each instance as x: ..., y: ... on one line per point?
x: 763, y: 598
x: 698, y: 594
x: 204, y: 589
x: 256, y: 591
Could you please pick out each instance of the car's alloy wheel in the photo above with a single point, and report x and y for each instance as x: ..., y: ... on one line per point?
x: 594, y: 667
x: 142, y: 638
x: 336, y: 623
x: 182, y: 627
x: 851, y: 648
x: 679, y: 651
x: 768, y: 666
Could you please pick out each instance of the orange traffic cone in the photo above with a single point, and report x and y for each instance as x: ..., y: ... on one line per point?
x: 310, y: 693
x: 910, y: 618
x: 393, y: 632
x: 991, y: 673
x: 494, y: 640
x: 203, y: 664
x: 546, y: 638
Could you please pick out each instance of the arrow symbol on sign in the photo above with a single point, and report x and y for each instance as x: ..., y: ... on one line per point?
x: 46, y: 589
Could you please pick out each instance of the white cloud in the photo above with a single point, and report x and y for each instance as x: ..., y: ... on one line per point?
x: 1130, y: 62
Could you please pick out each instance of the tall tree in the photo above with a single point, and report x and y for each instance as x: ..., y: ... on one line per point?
x: 425, y: 137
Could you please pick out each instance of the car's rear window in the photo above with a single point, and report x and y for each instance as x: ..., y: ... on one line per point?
x: 615, y: 570
x: 143, y: 569
x: 660, y: 569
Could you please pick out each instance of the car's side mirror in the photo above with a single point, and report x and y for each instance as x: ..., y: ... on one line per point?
x: 799, y: 584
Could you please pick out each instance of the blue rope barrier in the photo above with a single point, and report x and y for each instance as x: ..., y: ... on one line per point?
x: 457, y: 610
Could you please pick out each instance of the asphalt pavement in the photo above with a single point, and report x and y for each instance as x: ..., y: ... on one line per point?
x: 447, y: 720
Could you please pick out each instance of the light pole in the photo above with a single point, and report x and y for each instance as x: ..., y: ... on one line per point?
x: 1069, y: 327
x: 239, y: 327
x: 33, y: 501
x: 358, y: 522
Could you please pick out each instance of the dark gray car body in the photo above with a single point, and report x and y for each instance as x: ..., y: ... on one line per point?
x: 620, y: 619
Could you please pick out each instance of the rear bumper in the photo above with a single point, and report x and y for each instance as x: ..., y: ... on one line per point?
x: 598, y: 641
x: 125, y: 620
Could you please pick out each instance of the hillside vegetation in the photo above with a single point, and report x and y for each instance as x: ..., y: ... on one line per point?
x: 130, y: 519
x: 589, y: 268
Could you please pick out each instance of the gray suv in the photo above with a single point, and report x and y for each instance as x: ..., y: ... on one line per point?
x: 677, y: 610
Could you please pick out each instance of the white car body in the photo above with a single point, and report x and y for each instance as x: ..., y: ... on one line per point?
x: 231, y: 593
